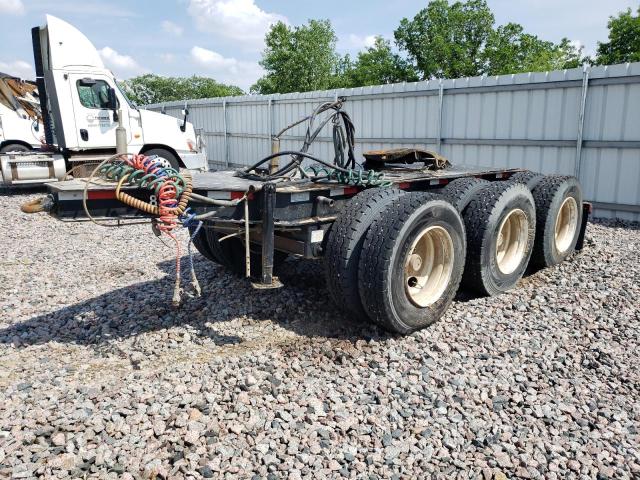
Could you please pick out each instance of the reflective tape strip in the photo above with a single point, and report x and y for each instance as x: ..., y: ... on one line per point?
x: 299, y: 197
x: 219, y: 195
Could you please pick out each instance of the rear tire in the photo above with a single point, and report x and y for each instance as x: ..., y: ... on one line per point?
x: 344, y: 244
x: 500, y: 225
x: 412, y: 262
x: 558, y: 202
x: 230, y: 254
x: 201, y: 244
x: 529, y: 178
x: 461, y: 190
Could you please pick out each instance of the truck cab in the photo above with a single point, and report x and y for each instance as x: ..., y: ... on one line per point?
x: 82, y: 105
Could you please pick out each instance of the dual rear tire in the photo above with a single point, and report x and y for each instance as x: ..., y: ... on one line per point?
x: 558, y: 202
x: 396, y: 258
x: 412, y: 262
x: 500, y: 222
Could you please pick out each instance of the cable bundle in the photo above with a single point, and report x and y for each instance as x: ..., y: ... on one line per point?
x: 342, y: 170
x: 172, y: 191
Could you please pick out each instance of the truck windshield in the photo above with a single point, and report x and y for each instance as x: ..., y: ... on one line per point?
x: 131, y: 104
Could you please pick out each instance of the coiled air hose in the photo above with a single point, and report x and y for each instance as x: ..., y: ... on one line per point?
x: 173, y: 192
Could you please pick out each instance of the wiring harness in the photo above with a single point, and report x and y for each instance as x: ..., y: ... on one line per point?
x: 344, y: 168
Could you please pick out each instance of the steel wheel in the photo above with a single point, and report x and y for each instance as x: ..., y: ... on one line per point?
x: 566, y: 224
x: 428, y: 266
x: 513, y: 236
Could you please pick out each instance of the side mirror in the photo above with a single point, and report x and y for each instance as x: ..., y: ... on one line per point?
x: 185, y: 112
x: 113, y: 103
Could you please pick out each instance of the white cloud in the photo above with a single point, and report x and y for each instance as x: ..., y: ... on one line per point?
x: 226, y: 70
x: 18, y: 68
x: 361, y: 41
x: 214, y: 60
x: 172, y: 28
x: 241, y: 21
x: 12, y: 7
x: 123, y: 65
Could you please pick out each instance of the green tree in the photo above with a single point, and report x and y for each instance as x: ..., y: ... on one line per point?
x: 624, y: 40
x: 568, y: 56
x: 459, y: 40
x: 379, y: 65
x: 447, y: 40
x: 299, y: 59
x: 510, y: 50
x: 151, y: 88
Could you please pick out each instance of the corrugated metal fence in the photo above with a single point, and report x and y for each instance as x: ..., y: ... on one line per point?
x: 584, y: 122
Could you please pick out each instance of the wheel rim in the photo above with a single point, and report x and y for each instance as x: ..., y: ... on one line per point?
x: 428, y: 266
x: 513, y: 236
x: 163, y: 162
x: 566, y: 224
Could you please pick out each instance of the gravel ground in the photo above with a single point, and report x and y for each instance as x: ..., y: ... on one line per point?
x: 100, y: 377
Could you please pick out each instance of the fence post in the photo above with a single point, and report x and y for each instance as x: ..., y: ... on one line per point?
x: 270, y: 119
x: 224, y: 126
x: 583, y: 104
x: 440, y: 103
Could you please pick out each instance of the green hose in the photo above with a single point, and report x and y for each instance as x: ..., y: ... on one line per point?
x: 116, y: 170
x: 358, y: 178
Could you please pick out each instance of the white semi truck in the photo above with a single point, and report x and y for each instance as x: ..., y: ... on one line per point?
x: 82, y: 105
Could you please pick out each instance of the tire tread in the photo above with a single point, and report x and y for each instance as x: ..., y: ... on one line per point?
x: 344, y: 245
x: 476, y: 219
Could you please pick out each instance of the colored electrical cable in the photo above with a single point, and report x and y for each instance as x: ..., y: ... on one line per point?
x: 171, y: 189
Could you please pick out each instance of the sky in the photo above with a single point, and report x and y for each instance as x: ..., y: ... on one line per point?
x: 223, y: 38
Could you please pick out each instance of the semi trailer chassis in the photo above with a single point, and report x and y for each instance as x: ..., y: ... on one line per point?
x: 399, y: 234
x: 292, y: 218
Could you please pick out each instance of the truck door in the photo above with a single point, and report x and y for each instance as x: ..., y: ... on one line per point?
x: 95, y: 124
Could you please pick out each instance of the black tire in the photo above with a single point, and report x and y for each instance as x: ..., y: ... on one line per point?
x: 171, y: 159
x: 201, y: 244
x: 344, y: 244
x: 382, y: 276
x: 529, y: 178
x: 14, y: 147
x: 460, y: 191
x: 549, y: 196
x: 231, y: 255
x: 483, y: 219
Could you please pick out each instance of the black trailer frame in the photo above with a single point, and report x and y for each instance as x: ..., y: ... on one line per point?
x: 289, y: 216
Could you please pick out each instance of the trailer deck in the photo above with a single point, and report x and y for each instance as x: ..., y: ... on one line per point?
x: 225, y: 185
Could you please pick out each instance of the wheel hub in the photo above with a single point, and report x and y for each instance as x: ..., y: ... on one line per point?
x: 511, y: 244
x: 428, y: 266
x: 566, y: 224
